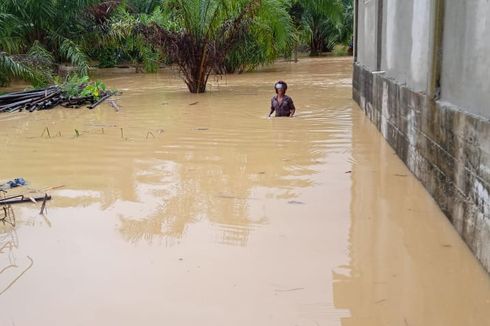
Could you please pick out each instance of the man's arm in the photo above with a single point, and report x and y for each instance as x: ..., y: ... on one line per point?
x: 292, y: 109
x: 272, y: 107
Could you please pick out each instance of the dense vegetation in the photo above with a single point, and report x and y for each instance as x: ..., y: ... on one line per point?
x: 201, y: 37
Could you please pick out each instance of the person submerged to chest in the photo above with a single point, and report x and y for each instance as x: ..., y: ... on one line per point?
x: 282, y: 104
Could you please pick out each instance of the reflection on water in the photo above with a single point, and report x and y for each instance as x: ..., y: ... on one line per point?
x: 180, y: 207
x: 408, y: 265
x: 13, y: 264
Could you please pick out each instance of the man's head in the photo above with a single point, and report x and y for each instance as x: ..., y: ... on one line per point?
x: 281, y: 86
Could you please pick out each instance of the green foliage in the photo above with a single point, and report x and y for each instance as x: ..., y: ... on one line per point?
x: 39, y: 53
x: 10, y: 38
x: 143, y: 6
x: 151, y: 60
x: 200, y: 36
x: 318, y: 22
x: 346, y: 29
x: 10, y: 68
x: 129, y: 45
x: 35, y: 66
x: 81, y: 86
x: 57, y: 26
x: 94, y: 89
x: 340, y: 50
x: 41, y: 62
x: 108, y: 57
x: 205, y: 36
x: 269, y: 36
x: 72, y: 52
x: 74, y: 84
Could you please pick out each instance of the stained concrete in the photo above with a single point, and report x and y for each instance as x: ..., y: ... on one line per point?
x: 446, y: 148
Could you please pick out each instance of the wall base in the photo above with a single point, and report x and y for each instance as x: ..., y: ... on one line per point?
x: 447, y: 149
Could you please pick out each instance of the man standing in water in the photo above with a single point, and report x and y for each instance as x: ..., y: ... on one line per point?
x: 281, y: 103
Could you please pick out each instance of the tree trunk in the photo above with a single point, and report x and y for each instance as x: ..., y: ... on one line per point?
x: 196, y: 86
x: 197, y: 80
x: 317, y: 38
x: 316, y: 45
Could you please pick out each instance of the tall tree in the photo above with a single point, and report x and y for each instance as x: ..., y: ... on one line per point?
x: 315, y: 18
x: 270, y: 35
x: 199, y: 35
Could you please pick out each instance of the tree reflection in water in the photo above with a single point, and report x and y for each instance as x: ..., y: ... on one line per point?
x: 227, y: 185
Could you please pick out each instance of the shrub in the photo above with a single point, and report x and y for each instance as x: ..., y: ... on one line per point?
x: 340, y: 50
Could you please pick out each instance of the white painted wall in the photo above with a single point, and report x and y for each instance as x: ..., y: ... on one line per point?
x: 366, y: 47
x: 406, y: 46
x: 466, y: 56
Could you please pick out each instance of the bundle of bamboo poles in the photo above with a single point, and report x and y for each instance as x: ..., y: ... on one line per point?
x: 45, y: 99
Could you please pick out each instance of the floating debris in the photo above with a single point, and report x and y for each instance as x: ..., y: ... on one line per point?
x: 18, y: 199
x: 17, y: 182
x: 114, y: 105
x: 50, y: 97
x: 43, y: 207
x: 7, y: 215
x: 295, y: 202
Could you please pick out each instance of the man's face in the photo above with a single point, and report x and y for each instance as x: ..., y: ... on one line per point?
x: 280, y: 89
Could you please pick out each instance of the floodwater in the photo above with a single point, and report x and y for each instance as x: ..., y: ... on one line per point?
x: 190, y: 210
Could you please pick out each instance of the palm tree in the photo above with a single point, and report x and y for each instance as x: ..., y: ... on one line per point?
x: 120, y: 38
x: 199, y: 35
x: 57, y: 26
x: 33, y: 66
x: 347, y: 27
x: 316, y: 20
x: 270, y: 35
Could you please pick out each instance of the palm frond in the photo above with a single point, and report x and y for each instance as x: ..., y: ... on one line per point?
x: 332, y: 9
x: 10, y: 36
x: 11, y: 68
x: 75, y: 55
x: 270, y: 35
x: 38, y: 52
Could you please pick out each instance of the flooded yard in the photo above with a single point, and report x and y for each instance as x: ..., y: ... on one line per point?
x: 190, y: 210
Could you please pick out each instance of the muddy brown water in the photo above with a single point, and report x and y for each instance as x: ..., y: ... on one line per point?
x: 198, y: 210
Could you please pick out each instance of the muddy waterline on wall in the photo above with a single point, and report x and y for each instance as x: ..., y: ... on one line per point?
x: 188, y: 210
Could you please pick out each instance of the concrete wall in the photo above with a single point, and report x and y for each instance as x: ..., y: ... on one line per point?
x: 366, y: 50
x: 444, y: 141
x: 466, y: 61
x: 406, y: 46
